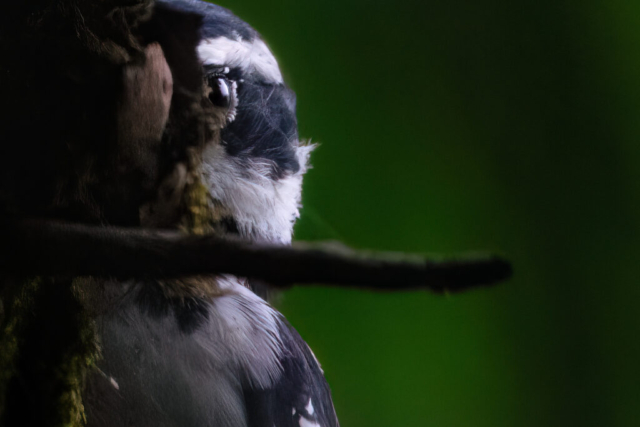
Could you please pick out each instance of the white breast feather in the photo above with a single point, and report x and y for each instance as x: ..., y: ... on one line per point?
x: 244, y: 333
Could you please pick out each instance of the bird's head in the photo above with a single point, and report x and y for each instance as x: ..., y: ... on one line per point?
x: 254, y: 175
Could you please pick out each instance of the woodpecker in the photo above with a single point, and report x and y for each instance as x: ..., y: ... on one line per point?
x: 226, y: 358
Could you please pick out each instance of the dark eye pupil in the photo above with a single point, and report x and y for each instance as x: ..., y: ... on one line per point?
x: 220, y: 95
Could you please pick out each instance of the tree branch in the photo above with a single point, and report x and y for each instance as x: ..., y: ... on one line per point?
x: 42, y: 247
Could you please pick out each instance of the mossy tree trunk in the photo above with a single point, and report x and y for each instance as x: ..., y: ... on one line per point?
x: 86, y: 135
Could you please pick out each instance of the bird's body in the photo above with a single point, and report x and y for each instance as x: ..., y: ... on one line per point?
x: 229, y: 360
x: 225, y: 357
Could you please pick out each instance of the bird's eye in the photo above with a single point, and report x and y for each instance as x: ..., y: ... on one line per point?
x: 223, y: 90
x: 220, y: 94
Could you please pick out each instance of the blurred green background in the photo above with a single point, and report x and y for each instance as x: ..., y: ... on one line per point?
x: 451, y: 125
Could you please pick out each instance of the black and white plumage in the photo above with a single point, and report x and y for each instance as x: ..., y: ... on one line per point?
x: 256, y: 172
x: 228, y: 359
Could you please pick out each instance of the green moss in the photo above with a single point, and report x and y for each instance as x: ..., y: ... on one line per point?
x: 18, y: 302
x: 198, y: 215
x: 197, y: 218
x: 49, y: 345
x: 80, y: 357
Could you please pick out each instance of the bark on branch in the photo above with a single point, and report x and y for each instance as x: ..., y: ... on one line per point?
x: 42, y: 247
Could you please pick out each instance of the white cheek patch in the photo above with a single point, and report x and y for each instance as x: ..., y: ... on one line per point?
x: 263, y: 208
x: 251, y: 57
